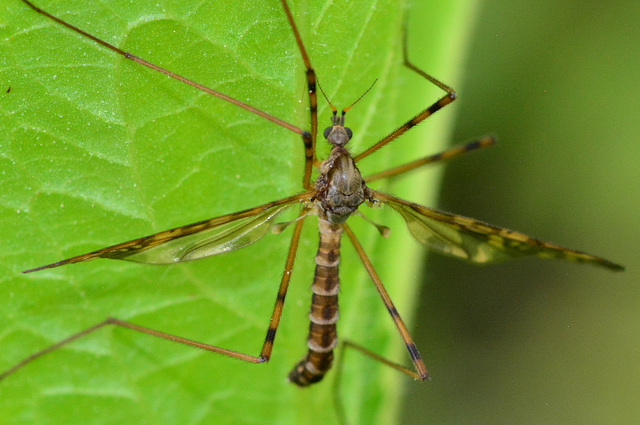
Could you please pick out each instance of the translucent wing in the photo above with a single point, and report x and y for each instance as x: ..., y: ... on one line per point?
x: 476, y: 241
x: 203, y: 239
x: 212, y: 241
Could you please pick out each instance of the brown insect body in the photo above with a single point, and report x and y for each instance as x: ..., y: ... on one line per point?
x: 338, y: 192
x: 323, y: 316
x: 339, y: 189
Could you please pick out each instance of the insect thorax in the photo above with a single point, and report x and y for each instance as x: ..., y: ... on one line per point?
x: 339, y: 188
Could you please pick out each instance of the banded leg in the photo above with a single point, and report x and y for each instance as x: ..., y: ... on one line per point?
x: 421, y: 372
x: 308, y: 139
x: 421, y: 116
x: 310, y: 159
x: 265, y: 352
x: 485, y: 142
x: 338, y: 404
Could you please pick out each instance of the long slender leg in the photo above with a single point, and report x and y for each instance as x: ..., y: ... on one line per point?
x: 310, y: 145
x: 448, y: 154
x: 337, y: 382
x: 307, y: 138
x: 441, y: 103
x: 421, y: 372
x: 265, y: 352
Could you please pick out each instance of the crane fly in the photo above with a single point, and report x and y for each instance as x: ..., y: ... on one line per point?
x: 333, y: 197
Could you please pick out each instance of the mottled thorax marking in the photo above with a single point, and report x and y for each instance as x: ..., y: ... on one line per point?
x: 340, y: 189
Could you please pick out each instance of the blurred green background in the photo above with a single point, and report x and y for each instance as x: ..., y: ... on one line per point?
x: 532, y: 341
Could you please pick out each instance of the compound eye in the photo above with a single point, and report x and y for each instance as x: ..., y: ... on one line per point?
x: 349, y: 132
x: 326, y: 132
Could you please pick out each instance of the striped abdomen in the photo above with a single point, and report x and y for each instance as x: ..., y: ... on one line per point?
x: 324, y: 308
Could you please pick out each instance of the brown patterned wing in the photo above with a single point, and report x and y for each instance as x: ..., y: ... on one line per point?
x: 193, y: 241
x: 476, y: 241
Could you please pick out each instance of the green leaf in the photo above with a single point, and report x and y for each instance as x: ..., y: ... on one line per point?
x: 96, y: 150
